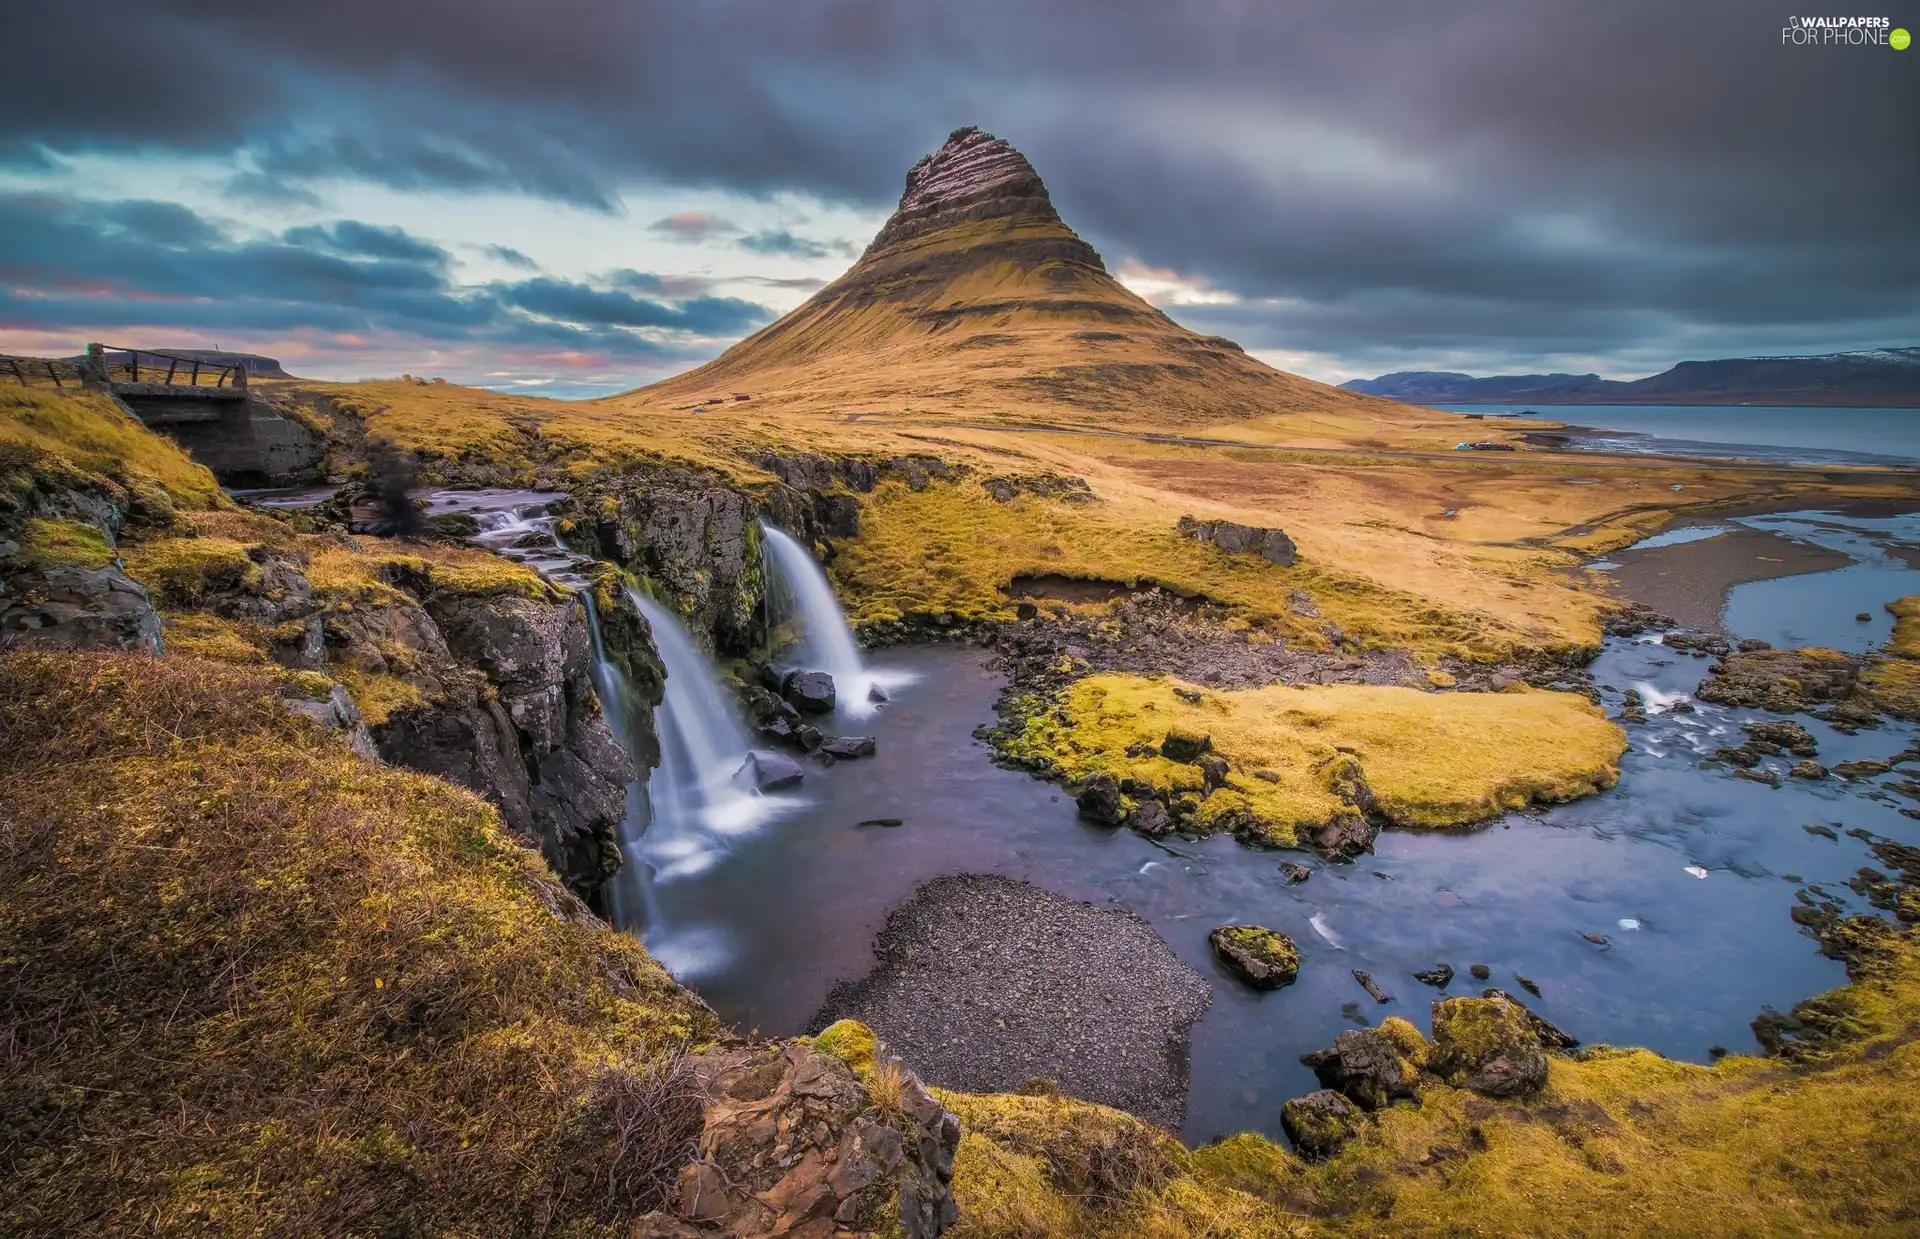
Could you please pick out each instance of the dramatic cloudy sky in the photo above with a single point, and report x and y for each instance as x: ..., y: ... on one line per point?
x: 575, y: 196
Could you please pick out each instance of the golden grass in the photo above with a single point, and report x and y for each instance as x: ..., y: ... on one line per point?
x: 1621, y: 1143
x: 178, y: 572
x: 320, y: 996
x: 88, y: 432
x: 1431, y: 759
x: 1906, y: 627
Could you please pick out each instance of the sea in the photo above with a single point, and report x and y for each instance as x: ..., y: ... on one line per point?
x: 1770, y: 434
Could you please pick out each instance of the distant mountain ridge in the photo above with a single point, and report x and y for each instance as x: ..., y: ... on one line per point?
x: 1871, y: 378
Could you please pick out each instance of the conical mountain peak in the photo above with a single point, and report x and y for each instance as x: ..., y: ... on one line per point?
x: 976, y: 298
x: 973, y: 176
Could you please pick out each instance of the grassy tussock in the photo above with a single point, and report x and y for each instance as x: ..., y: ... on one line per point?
x: 256, y: 985
x: 179, y: 572
x: 88, y: 432
x: 1431, y: 759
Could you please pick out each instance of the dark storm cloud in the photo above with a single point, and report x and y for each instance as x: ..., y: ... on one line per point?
x: 782, y: 242
x: 136, y: 263
x: 512, y: 257
x: 1625, y: 170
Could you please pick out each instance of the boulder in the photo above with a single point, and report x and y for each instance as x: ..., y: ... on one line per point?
x: 1100, y: 800
x: 1487, y: 1045
x: 877, y: 694
x: 78, y: 607
x: 1864, y: 768
x: 1151, y: 819
x: 1263, y: 958
x: 1549, y: 1033
x: 1779, y: 735
x: 1213, y: 769
x: 1807, y: 768
x: 1365, y: 1067
x: 1294, y: 872
x: 1185, y: 746
x: 810, y: 692
x: 792, y: 1143
x: 1236, y: 539
x: 1319, y: 1123
x: 848, y: 747
x: 807, y: 736
x: 768, y: 771
x: 1439, y: 976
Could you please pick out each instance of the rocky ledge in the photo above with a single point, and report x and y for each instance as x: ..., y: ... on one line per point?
x: 991, y: 985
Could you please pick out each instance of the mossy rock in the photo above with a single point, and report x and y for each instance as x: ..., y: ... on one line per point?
x: 1185, y: 745
x: 1263, y: 958
x: 1487, y: 1045
x: 1319, y: 1123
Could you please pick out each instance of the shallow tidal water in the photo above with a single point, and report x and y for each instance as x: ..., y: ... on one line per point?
x: 765, y: 931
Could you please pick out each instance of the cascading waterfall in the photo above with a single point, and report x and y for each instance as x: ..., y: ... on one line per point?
x: 798, y: 590
x: 696, y: 801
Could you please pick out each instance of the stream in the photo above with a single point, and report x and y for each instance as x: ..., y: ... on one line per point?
x: 1686, y: 873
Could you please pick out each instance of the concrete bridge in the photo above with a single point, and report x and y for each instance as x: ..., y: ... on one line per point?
x: 206, y: 406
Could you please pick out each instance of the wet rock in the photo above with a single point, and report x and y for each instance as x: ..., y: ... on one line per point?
x: 1479, y: 972
x: 768, y: 771
x: 1632, y: 714
x: 1439, y: 977
x: 1487, y: 1045
x: 1781, y: 681
x: 1861, y: 769
x: 1864, y: 617
x: 1783, y: 735
x: 1185, y: 746
x: 1319, y: 1123
x: 1808, y: 769
x: 1596, y: 939
x: 1151, y: 819
x: 877, y: 694
x: 779, y: 731
x: 1769, y: 777
x: 1527, y: 984
x: 1366, y: 1067
x: 1263, y: 958
x: 1294, y: 872
x: 1368, y: 984
x: 808, y: 737
x: 791, y: 1144
x: 1745, y: 756
x: 846, y: 748
x: 1549, y: 1034
x: 810, y: 692
x: 1100, y: 800
x: 1236, y: 539
x: 888, y: 822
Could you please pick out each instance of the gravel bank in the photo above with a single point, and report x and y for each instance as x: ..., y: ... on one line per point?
x: 985, y: 983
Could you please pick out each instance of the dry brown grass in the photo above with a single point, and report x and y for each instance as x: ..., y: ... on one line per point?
x: 257, y: 985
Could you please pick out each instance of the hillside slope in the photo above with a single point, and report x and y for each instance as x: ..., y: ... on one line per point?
x: 976, y: 300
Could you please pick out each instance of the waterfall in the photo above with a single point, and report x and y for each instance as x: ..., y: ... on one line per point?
x: 695, y: 801
x: 799, y: 591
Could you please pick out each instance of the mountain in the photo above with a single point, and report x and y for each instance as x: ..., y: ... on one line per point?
x: 1888, y: 377
x: 977, y: 300
x: 1427, y: 386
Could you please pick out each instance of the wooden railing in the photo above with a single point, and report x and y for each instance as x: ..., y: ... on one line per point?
x: 28, y: 371
x: 110, y: 361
